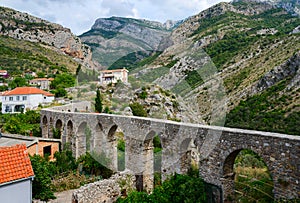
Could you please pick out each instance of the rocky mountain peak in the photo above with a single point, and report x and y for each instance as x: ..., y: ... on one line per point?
x: 23, y: 26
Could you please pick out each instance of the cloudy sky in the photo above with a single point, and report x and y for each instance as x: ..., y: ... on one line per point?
x: 79, y: 15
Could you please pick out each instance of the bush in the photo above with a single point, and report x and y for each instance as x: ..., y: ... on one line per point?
x: 178, y: 189
x: 138, y: 110
x: 41, y: 186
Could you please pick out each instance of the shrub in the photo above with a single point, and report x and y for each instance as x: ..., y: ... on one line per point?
x: 138, y: 110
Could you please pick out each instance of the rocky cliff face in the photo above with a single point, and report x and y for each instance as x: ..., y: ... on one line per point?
x: 115, y: 37
x: 251, y: 45
x: 23, y: 26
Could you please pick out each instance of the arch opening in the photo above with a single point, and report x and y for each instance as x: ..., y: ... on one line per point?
x: 81, y: 139
x: 247, y: 178
x: 70, y: 140
x: 189, y: 156
x: 58, y: 129
x: 104, y: 146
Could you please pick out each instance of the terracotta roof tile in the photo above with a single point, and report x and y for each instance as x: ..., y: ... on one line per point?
x: 26, y: 91
x: 14, y: 163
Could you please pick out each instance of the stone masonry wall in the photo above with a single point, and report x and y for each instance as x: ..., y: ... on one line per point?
x: 108, y: 190
x: 217, y: 147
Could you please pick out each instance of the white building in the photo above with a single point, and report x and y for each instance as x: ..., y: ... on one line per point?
x: 24, y: 98
x: 42, y: 83
x: 112, y: 76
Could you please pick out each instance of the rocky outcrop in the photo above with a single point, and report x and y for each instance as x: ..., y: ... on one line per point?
x: 23, y: 26
x: 287, y: 69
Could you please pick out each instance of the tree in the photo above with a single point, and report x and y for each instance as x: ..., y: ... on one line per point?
x: 63, y: 80
x: 17, y: 82
x: 98, y: 102
x: 60, y: 92
x: 138, y: 109
x: 41, y: 186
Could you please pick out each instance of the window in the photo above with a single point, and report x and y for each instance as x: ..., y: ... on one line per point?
x: 18, y: 98
x: 24, y: 97
x: 47, y: 151
x: 11, y: 98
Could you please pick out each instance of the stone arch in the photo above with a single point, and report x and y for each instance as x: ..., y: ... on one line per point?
x: 189, y: 155
x: 229, y: 176
x: 111, y: 132
x: 81, y: 139
x: 45, y: 126
x: 58, y: 129
x: 70, y: 137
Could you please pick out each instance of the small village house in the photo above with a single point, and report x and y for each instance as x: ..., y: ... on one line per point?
x: 113, y: 76
x: 35, y: 145
x: 41, y: 83
x: 22, y: 99
x: 16, y: 175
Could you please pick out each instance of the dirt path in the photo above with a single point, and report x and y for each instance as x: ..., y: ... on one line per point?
x: 63, y: 197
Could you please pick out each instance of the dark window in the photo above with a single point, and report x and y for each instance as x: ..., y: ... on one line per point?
x: 47, y: 150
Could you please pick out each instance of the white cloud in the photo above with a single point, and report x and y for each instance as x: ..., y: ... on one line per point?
x: 80, y: 15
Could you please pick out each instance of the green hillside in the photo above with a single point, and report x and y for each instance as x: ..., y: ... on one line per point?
x: 19, y: 56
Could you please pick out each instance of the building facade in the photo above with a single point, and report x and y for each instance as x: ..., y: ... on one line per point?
x: 35, y: 145
x: 22, y: 99
x: 41, y: 83
x: 16, y: 175
x: 113, y: 76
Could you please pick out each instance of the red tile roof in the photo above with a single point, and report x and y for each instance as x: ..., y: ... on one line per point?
x: 26, y: 91
x: 14, y: 163
x: 42, y: 79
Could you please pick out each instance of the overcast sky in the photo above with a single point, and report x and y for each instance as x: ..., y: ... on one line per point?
x: 80, y: 15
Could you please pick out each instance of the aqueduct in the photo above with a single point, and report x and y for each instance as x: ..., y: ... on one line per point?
x: 217, y: 146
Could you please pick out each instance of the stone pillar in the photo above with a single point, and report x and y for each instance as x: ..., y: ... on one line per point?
x: 228, y: 188
x: 148, y: 172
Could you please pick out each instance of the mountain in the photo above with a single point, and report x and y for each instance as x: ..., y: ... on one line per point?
x: 22, y: 26
x: 293, y: 6
x: 244, y: 54
x: 115, y: 37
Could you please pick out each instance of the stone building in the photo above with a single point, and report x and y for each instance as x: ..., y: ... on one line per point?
x: 113, y: 76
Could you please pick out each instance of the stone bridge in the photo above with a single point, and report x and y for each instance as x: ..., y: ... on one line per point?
x: 215, y: 147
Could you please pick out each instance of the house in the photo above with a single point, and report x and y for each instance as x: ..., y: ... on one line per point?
x: 16, y: 174
x: 4, y: 74
x: 113, y: 76
x: 41, y: 83
x: 22, y: 99
x: 35, y: 145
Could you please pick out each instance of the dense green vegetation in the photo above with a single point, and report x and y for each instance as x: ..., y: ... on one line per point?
x: 253, y: 182
x: 23, y: 124
x: 130, y: 60
x: 98, y: 102
x: 64, y: 174
x: 138, y: 109
x: 177, y: 189
x: 266, y: 112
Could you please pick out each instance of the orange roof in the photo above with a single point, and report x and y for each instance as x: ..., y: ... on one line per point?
x: 42, y: 79
x: 14, y: 163
x: 27, y: 90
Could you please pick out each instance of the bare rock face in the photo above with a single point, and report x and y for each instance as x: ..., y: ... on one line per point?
x: 23, y: 26
x: 115, y: 37
x: 285, y: 70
